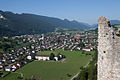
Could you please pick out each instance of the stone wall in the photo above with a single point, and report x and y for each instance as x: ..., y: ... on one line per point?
x: 108, y: 51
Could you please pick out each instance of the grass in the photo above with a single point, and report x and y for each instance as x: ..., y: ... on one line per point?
x: 5, y: 73
x: 54, y: 70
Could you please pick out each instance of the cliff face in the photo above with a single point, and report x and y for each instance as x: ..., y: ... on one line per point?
x: 108, y: 51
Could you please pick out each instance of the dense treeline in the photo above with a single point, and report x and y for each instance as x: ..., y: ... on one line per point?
x: 18, y: 24
x: 90, y: 72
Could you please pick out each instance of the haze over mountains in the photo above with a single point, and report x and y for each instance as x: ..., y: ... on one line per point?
x: 112, y: 22
x: 18, y: 24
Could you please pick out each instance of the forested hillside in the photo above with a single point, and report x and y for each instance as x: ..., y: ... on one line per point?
x: 18, y: 24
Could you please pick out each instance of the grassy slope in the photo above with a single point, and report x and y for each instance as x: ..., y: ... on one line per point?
x: 54, y: 70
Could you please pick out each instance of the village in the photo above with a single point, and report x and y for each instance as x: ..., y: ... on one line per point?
x: 15, y: 59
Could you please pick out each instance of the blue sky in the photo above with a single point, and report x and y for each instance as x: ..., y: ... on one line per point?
x: 81, y: 10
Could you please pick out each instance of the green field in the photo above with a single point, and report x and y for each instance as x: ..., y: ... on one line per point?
x: 54, y: 70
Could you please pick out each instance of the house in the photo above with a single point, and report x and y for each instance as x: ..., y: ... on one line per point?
x: 8, y: 68
x: 4, y: 60
x: 33, y: 51
x: 1, y: 66
x: 86, y: 49
x: 13, y: 60
x: 42, y: 57
x: 78, y: 48
x: 91, y: 47
x: 19, y: 64
x: 58, y: 57
x: 15, y: 66
x: 5, y: 37
x: 13, y: 69
x: 29, y: 57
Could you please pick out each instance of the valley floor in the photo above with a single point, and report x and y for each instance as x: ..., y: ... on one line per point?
x: 46, y: 70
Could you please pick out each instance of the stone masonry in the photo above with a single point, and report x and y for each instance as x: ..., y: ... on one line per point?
x: 108, y: 51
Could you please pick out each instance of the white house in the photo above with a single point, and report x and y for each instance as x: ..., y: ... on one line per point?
x: 4, y: 60
x: 78, y: 48
x: 1, y: 66
x: 18, y: 64
x: 14, y: 67
x: 33, y: 51
x: 8, y: 68
x: 13, y: 70
x: 86, y: 49
x: 13, y: 60
x: 60, y: 55
x: 29, y: 57
x: 56, y: 58
x: 42, y: 57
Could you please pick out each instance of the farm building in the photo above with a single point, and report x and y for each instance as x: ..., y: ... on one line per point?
x: 42, y: 57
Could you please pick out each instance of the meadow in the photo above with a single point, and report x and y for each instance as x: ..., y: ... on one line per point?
x: 51, y: 70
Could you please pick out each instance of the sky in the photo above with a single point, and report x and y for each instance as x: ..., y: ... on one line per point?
x: 86, y: 11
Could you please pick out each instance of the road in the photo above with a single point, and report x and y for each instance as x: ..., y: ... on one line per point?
x: 75, y: 76
x: 79, y: 72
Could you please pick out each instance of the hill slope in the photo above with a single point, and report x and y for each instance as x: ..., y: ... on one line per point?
x: 17, y: 24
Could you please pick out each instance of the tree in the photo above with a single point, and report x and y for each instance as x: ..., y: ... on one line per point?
x: 82, y: 68
x: 83, y: 52
x: 52, y: 56
x: 82, y: 45
x: 1, y: 51
x: 68, y: 75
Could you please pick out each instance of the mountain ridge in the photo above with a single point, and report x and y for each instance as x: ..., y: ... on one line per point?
x: 12, y: 24
x: 25, y: 23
